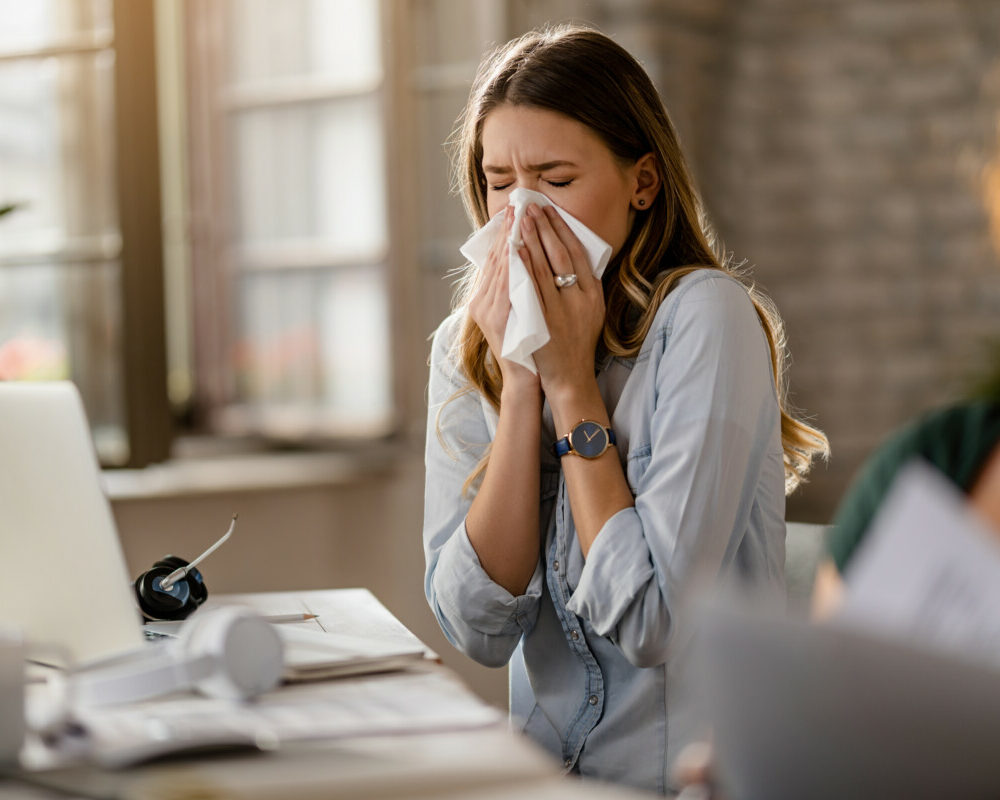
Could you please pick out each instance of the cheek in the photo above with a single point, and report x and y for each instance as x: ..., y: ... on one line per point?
x: 495, y: 203
x: 612, y: 222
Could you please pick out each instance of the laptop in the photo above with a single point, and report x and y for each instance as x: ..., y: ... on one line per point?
x: 65, y: 583
x: 824, y: 712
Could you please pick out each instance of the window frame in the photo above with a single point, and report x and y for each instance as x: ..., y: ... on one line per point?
x: 149, y: 418
x: 137, y: 246
x: 213, y: 253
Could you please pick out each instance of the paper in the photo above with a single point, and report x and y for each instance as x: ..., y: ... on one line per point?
x: 312, y: 654
x: 402, y: 702
x: 352, y: 633
x: 928, y: 570
x: 526, y: 330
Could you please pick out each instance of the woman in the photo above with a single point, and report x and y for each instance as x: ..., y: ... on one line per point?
x: 567, y: 512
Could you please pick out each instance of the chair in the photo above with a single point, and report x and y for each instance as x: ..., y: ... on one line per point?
x: 803, y: 551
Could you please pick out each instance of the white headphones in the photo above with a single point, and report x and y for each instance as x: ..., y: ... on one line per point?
x: 228, y: 652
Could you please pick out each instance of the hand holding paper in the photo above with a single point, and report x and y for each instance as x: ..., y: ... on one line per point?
x: 526, y: 330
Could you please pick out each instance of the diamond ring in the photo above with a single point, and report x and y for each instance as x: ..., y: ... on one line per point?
x: 564, y: 280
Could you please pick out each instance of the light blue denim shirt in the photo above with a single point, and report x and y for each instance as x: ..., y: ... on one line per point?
x: 594, y: 645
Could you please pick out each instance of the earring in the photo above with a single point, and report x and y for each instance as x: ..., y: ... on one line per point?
x: 642, y: 202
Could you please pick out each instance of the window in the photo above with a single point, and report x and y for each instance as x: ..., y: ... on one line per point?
x: 201, y: 235
x: 68, y: 256
x: 291, y: 255
x: 274, y: 215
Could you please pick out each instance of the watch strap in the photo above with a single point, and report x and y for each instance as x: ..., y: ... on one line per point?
x: 562, y: 447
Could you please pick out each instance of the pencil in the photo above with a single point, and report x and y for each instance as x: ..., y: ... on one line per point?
x: 288, y: 617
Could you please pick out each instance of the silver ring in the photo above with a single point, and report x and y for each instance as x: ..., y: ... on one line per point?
x: 564, y: 280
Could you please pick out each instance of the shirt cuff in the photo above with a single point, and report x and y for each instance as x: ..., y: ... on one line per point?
x: 615, y: 572
x: 465, y: 592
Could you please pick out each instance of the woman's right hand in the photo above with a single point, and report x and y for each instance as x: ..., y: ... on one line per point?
x: 490, y: 306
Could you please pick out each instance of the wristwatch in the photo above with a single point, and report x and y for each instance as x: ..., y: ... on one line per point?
x: 588, y: 439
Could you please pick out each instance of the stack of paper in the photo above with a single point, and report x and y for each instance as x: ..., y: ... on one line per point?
x: 312, y: 654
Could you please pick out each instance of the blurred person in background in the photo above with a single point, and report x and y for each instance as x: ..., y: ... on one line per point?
x: 962, y: 441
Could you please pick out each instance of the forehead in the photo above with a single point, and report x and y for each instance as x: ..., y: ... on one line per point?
x: 536, y: 135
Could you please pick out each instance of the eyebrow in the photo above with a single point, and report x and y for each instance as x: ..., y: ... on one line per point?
x: 544, y: 167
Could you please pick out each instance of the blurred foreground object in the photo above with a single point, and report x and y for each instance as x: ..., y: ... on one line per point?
x: 896, y: 696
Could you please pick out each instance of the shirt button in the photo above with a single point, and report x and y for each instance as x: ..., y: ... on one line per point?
x: 568, y: 763
x: 593, y: 699
x: 555, y: 565
x: 574, y: 635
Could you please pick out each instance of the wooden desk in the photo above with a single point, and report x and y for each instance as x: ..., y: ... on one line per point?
x: 481, y: 761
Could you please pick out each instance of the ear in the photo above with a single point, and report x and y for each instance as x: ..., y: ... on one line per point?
x: 647, y: 181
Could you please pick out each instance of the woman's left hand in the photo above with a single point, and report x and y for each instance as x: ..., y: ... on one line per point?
x: 574, y: 314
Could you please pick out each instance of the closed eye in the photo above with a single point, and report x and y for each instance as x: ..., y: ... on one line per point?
x: 500, y: 188
x: 559, y: 184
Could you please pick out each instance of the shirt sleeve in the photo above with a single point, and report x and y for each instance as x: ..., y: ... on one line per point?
x: 714, y: 421
x: 477, y: 615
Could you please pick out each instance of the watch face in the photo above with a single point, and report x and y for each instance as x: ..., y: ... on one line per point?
x: 589, y: 439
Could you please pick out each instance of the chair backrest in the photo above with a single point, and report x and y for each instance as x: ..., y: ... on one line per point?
x: 804, y: 549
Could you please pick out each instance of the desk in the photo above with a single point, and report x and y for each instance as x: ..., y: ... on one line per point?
x: 470, y: 754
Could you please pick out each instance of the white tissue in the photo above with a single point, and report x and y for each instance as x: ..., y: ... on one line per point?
x: 526, y: 331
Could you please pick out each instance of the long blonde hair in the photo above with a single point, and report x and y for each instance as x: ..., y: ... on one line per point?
x: 584, y: 75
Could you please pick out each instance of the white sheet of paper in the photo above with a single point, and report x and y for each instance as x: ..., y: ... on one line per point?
x: 928, y: 570
x: 400, y: 702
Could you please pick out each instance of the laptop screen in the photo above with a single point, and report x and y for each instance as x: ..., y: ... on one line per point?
x: 65, y: 581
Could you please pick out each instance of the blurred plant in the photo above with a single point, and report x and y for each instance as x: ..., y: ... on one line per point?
x: 31, y: 358
x: 6, y: 208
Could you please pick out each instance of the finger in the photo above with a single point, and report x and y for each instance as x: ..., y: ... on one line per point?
x: 569, y: 242
x: 536, y: 262
x: 533, y: 245
x: 496, y: 255
x: 693, y: 764
x: 498, y: 279
x: 503, y: 233
x: 556, y: 253
x: 540, y: 276
x: 501, y: 285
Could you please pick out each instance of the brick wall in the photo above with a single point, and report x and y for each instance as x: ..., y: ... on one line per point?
x: 844, y: 148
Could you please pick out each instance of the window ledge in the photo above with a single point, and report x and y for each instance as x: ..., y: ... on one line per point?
x: 250, y: 472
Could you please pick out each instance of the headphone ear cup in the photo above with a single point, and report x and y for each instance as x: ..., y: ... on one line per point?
x: 232, y: 653
x: 196, y: 583
x: 157, y: 604
x: 171, y: 562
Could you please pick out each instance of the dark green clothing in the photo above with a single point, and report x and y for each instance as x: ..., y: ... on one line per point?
x: 957, y: 440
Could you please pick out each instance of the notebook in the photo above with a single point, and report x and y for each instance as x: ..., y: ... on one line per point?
x: 65, y: 581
